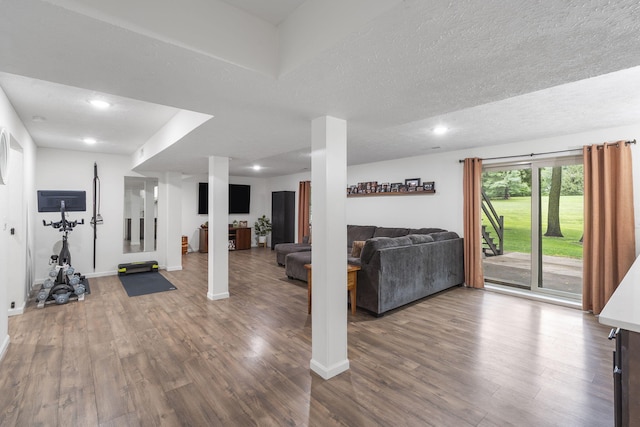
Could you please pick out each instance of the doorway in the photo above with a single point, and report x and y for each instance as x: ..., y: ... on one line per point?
x: 532, y: 225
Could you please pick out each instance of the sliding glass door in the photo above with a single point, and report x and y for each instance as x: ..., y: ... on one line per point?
x: 532, y: 226
x: 506, y: 225
x: 561, y: 227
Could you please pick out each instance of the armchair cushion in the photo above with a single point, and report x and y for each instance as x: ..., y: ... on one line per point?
x: 377, y: 243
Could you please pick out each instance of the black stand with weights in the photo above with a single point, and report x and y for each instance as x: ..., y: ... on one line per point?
x: 63, y: 284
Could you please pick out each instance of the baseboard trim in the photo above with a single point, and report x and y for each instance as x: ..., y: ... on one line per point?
x: 17, y: 311
x: 331, y: 371
x: 102, y: 274
x: 5, y: 347
x: 215, y: 297
x: 176, y: 268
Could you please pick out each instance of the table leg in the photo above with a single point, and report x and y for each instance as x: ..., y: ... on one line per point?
x: 352, y: 294
x: 309, y: 291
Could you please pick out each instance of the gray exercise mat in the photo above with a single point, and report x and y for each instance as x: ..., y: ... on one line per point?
x: 145, y: 283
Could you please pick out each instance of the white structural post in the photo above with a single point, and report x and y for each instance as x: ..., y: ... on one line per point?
x: 218, y: 228
x: 329, y: 263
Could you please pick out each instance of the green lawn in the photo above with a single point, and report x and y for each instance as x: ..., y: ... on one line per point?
x: 517, y: 222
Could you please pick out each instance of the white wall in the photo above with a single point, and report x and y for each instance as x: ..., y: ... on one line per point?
x: 4, y: 268
x: 73, y: 170
x: 191, y: 221
x: 15, y: 290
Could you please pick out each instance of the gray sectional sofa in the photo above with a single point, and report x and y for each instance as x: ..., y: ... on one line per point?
x: 398, y: 265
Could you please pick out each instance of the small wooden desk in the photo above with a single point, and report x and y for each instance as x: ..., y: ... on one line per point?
x: 352, y: 284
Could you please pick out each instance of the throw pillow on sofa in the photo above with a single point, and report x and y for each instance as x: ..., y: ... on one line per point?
x: 356, y: 249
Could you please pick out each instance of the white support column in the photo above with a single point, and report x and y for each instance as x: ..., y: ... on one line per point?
x: 329, y: 272
x: 149, y: 217
x: 218, y: 228
x: 174, y: 216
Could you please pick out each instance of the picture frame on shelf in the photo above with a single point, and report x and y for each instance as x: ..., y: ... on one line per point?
x: 412, y: 182
x: 243, y: 224
x: 429, y: 186
x: 395, y: 187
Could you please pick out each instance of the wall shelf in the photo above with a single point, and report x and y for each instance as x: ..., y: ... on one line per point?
x: 406, y: 193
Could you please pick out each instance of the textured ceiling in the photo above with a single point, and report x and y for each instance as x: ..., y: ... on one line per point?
x: 494, y: 72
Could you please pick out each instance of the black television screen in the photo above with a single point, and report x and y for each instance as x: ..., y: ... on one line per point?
x: 239, y: 198
x: 203, y: 198
x: 74, y: 201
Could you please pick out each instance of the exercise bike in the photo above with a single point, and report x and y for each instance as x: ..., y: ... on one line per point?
x: 63, y: 281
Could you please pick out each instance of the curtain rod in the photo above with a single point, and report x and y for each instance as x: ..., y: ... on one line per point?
x: 539, y: 154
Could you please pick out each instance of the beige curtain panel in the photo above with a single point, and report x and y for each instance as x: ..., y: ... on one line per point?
x: 609, y: 234
x: 472, y: 184
x: 304, y: 209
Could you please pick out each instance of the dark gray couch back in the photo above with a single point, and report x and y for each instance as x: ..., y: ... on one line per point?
x: 359, y: 232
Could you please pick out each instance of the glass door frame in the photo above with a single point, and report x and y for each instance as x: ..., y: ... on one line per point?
x: 536, y: 211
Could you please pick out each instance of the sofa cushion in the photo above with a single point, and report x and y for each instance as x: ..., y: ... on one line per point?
x: 356, y: 249
x: 420, y: 238
x: 283, y: 249
x: 445, y: 235
x: 425, y: 230
x: 390, y: 232
x: 359, y: 232
x: 294, y: 265
x: 376, y: 243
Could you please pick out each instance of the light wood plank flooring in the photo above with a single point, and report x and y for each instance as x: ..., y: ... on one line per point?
x: 461, y: 358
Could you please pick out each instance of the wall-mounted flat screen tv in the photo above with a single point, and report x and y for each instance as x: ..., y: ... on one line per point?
x: 203, y: 198
x: 74, y: 201
x: 239, y: 198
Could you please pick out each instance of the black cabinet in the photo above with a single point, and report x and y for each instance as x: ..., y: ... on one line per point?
x: 626, y: 378
x: 283, y: 214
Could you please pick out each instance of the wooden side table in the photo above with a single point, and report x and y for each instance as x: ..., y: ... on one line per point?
x: 352, y: 285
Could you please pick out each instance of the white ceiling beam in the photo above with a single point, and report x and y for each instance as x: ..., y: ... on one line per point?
x: 319, y: 24
x: 210, y: 27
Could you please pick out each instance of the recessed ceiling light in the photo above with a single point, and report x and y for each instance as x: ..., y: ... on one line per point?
x: 89, y: 140
x: 256, y: 167
x: 99, y: 103
x: 440, y: 130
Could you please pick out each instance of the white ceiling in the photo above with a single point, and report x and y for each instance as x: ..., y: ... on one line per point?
x: 59, y: 116
x: 272, y: 11
x: 493, y: 72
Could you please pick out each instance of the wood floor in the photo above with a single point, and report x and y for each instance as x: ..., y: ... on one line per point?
x: 461, y: 358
